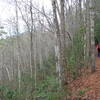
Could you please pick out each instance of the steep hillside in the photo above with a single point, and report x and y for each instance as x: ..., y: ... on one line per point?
x: 88, y: 87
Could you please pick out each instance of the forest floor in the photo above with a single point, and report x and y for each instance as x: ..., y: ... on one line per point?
x: 87, y: 87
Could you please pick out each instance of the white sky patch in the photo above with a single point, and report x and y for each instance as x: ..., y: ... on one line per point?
x: 46, y: 3
x: 7, y: 10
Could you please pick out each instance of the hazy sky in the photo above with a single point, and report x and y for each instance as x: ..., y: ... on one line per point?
x: 7, y: 10
x: 3, y: 9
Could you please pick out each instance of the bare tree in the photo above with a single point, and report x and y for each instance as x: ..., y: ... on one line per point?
x: 18, y: 46
x: 92, y: 17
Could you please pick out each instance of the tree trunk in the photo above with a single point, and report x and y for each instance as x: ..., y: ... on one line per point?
x: 92, y: 16
x: 57, y: 46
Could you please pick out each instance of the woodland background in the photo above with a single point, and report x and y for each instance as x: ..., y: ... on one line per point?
x: 56, y: 47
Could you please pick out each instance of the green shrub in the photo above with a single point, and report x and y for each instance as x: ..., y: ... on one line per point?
x: 82, y: 92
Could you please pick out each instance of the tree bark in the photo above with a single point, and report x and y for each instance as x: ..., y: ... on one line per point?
x: 92, y: 16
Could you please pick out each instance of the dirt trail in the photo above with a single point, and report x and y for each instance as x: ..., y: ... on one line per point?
x: 87, y: 88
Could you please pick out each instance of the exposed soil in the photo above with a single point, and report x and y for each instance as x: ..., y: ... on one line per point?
x: 88, y: 87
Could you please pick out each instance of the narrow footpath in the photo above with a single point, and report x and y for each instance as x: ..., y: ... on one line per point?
x: 88, y: 87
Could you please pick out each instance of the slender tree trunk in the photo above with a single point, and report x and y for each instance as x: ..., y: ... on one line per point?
x: 88, y: 35
x: 92, y: 17
x: 31, y: 40
x: 60, y: 40
x: 8, y: 73
x: 18, y: 47
x: 63, y: 41
x: 57, y: 46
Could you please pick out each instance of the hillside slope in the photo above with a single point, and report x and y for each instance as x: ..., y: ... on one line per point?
x: 88, y: 87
